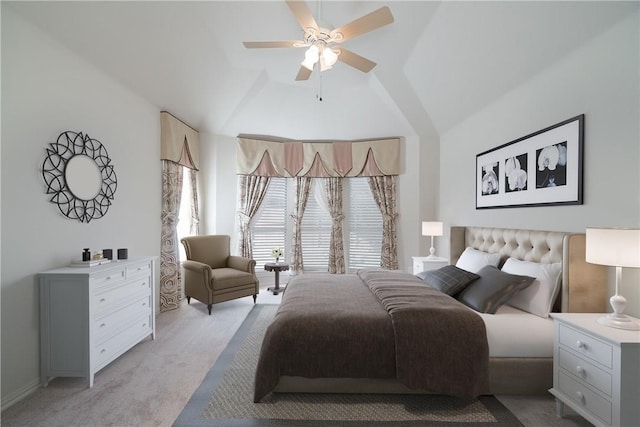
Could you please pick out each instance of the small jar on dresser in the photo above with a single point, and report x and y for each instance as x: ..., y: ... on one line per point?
x: 89, y: 316
x: 596, y: 370
x: 427, y: 263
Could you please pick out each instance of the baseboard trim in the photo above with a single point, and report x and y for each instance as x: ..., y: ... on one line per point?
x: 18, y: 395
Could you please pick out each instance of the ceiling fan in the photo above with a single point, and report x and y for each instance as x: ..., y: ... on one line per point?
x: 320, y: 42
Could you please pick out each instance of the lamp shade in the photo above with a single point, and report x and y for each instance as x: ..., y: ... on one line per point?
x: 613, y: 246
x: 432, y: 228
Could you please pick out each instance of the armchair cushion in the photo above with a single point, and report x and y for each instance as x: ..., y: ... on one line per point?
x: 225, y: 278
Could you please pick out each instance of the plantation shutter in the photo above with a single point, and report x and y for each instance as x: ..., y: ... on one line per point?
x: 364, y: 225
x: 269, y: 226
x: 316, y: 235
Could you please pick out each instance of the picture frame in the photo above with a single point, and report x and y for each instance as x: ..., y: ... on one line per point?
x: 544, y: 168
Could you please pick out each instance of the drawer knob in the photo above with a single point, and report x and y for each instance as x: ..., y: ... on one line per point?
x: 580, y: 397
x: 581, y: 345
x: 103, y: 325
x: 107, y: 278
x: 103, y: 350
x: 580, y: 371
x: 102, y: 299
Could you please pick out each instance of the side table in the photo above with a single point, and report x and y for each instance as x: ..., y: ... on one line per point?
x: 277, y: 268
x: 425, y: 263
x: 596, y: 370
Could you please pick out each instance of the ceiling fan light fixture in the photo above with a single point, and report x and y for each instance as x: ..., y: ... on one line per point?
x: 329, y: 56
x: 324, y: 66
x: 311, y: 56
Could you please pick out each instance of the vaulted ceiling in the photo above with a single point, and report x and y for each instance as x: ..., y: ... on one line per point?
x: 438, y: 63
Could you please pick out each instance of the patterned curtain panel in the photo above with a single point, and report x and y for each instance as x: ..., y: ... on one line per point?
x: 333, y: 190
x: 303, y: 188
x: 194, y: 226
x: 384, y: 193
x: 170, y: 287
x: 252, y: 191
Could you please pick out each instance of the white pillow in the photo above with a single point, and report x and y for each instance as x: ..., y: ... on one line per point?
x: 538, y: 298
x: 473, y: 260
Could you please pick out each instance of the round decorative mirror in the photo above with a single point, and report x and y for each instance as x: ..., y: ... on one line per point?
x: 78, y: 174
x: 83, y: 177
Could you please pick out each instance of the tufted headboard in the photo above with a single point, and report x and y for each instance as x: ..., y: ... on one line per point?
x: 584, y: 285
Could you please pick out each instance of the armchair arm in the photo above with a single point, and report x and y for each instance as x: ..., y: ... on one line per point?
x: 242, y: 264
x: 193, y: 268
x: 196, y: 267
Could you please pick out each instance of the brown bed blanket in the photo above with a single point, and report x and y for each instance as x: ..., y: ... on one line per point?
x: 377, y: 324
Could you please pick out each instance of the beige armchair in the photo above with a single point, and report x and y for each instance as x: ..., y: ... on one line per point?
x: 211, y: 275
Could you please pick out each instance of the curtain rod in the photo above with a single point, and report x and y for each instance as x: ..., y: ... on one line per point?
x: 280, y: 139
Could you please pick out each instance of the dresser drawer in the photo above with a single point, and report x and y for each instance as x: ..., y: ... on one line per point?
x: 108, y: 278
x: 139, y: 269
x: 120, y: 320
x: 586, y: 345
x: 585, y: 371
x: 111, y: 300
x: 112, y: 348
x: 584, y: 397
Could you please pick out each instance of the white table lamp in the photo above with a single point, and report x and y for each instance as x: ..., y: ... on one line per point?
x: 432, y: 228
x: 618, y: 248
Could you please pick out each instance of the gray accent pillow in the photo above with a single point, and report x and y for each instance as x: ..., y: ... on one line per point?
x: 448, y: 279
x: 493, y: 289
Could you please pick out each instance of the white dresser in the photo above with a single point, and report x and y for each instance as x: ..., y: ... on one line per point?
x: 596, y: 370
x: 91, y: 315
x: 424, y: 263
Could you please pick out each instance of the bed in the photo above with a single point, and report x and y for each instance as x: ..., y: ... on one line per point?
x: 367, y: 333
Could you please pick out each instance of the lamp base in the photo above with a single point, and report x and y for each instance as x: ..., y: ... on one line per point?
x: 620, y: 321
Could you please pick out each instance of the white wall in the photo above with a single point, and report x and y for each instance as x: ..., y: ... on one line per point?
x: 600, y: 80
x: 47, y: 90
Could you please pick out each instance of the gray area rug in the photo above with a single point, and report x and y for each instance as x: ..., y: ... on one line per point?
x: 225, y: 397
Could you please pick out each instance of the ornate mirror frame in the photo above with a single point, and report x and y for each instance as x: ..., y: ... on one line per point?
x: 55, y: 174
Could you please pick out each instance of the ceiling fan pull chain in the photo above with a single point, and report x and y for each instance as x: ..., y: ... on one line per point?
x: 319, y: 94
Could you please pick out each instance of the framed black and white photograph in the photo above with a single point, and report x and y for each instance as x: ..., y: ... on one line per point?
x: 540, y: 169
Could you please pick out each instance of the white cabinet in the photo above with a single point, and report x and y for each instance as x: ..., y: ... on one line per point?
x: 91, y: 315
x: 596, y: 370
x: 425, y: 263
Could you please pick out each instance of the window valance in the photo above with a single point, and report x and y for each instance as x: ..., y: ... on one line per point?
x: 317, y: 159
x: 180, y: 143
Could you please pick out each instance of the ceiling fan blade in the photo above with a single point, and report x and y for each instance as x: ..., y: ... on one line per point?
x: 372, y: 21
x: 282, y: 43
x: 302, y: 14
x: 356, y: 61
x: 303, y: 74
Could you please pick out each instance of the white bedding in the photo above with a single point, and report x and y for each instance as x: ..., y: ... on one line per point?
x: 516, y: 333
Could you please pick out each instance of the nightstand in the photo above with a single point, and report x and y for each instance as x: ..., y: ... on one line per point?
x: 596, y: 370
x: 424, y: 263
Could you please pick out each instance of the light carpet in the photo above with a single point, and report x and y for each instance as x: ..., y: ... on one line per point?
x: 225, y: 397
